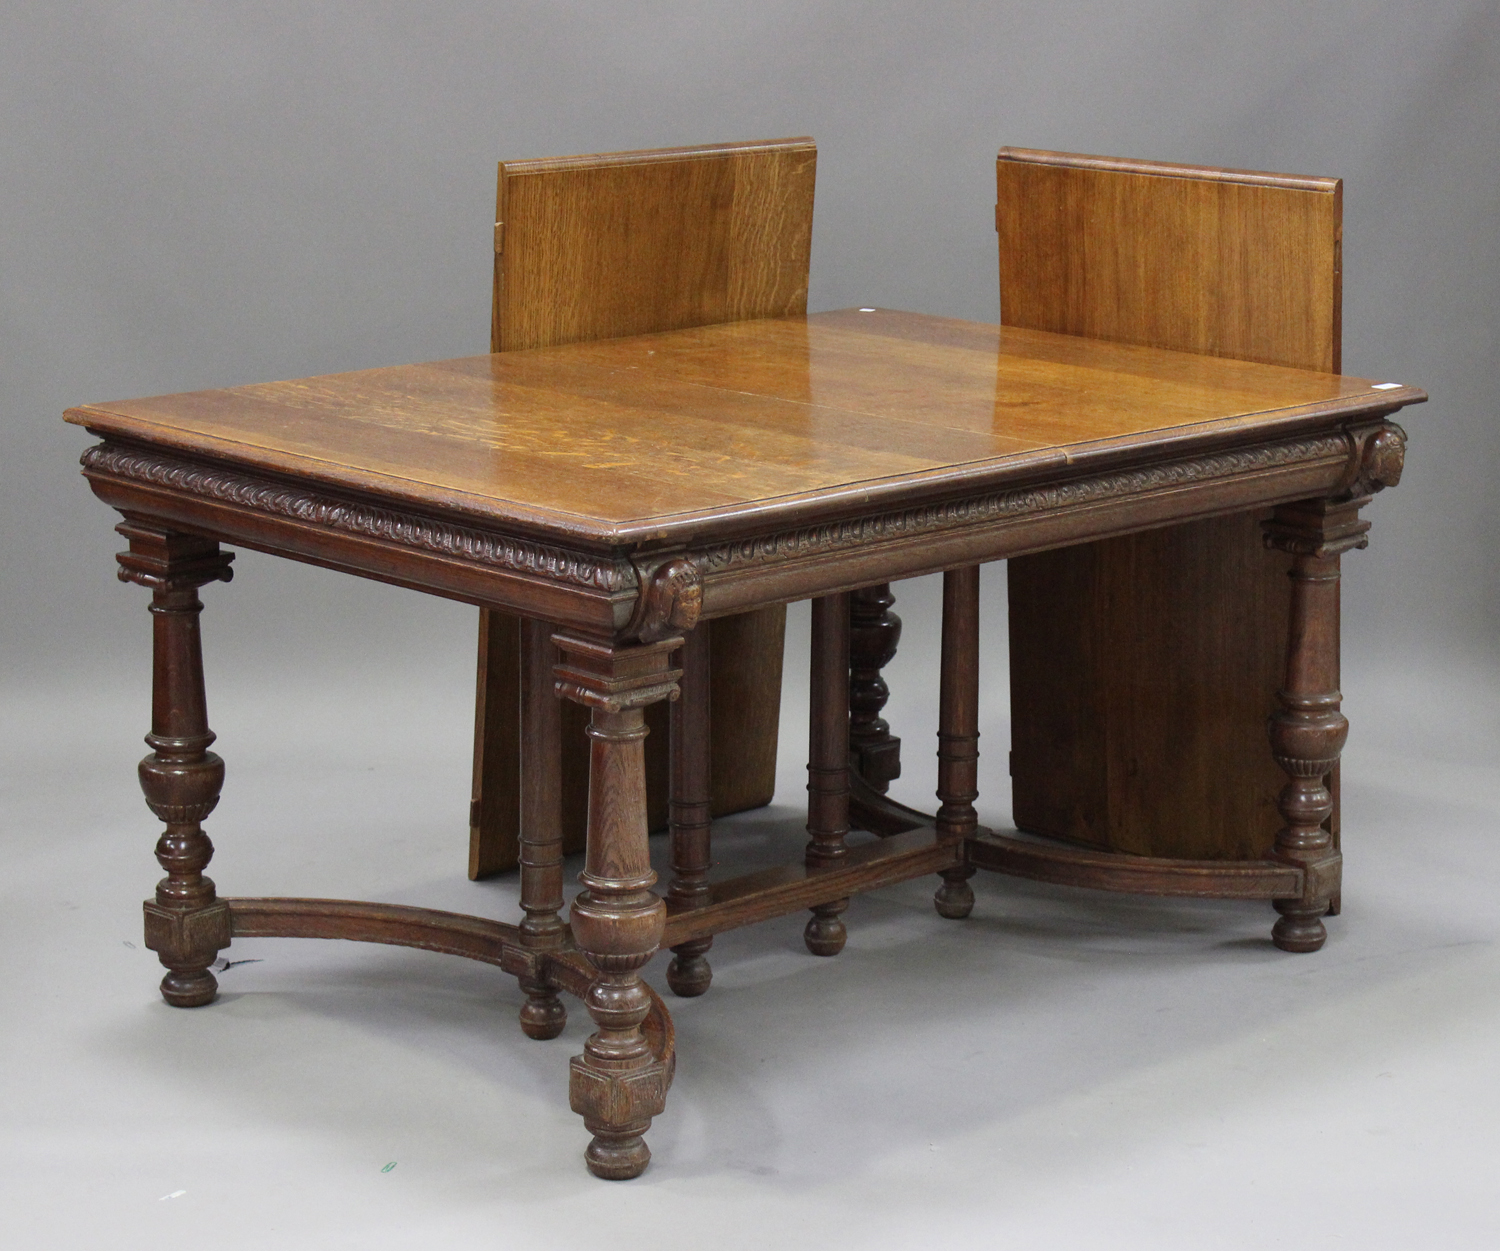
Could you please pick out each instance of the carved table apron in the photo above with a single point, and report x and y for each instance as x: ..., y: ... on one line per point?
x: 615, y: 495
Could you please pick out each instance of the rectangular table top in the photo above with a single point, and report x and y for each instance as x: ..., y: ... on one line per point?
x: 614, y: 440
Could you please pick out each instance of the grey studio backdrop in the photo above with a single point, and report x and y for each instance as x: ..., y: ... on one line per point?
x: 202, y: 195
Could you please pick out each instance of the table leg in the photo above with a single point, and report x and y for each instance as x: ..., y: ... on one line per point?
x: 828, y: 763
x: 874, y: 633
x: 541, y: 853
x: 617, y: 1084
x: 186, y: 925
x: 689, y: 973
x: 1308, y: 730
x: 958, y: 732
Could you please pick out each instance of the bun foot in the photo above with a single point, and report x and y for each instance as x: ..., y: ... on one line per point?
x: 1298, y: 929
x: 618, y: 1155
x: 189, y: 988
x: 543, y: 1016
x: 689, y: 974
x: 955, y: 897
x: 825, y: 934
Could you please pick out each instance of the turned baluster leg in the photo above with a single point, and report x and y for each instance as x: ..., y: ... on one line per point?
x: 617, y: 1084
x: 1308, y: 730
x: 186, y: 925
x: 828, y: 763
x: 542, y: 1015
x: 874, y: 633
x: 958, y: 732
x: 689, y: 973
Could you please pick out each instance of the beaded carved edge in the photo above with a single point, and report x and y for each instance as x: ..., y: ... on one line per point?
x: 367, y: 521
x: 557, y: 564
x: 934, y: 518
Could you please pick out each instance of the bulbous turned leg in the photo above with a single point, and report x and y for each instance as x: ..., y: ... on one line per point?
x: 1306, y: 726
x: 828, y: 764
x: 1308, y: 731
x: 542, y: 1015
x: 691, y: 811
x: 185, y: 924
x: 618, y: 1084
x: 958, y: 734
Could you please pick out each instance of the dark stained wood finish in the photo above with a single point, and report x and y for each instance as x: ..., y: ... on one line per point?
x: 617, y: 1084
x: 743, y: 770
x: 397, y: 925
x: 543, y: 1015
x: 451, y: 933
x: 689, y: 973
x: 186, y: 925
x: 958, y: 732
x: 745, y: 691
x: 874, y: 635
x: 1308, y: 729
x: 828, y: 765
x: 1141, y: 875
x: 789, y: 888
x: 1144, y: 736
x: 1143, y: 667
x: 596, y: 247
x: 877, y: 812
x: 494, y: 800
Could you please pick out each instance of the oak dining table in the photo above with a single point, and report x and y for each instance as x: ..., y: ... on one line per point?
x: 616, y: 495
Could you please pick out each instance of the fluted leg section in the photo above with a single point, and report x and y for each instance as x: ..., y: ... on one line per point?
x: 617, y: 1084
x: 542, y: 929
x: 874, y: 633
x: 828, y: 763
x: 1308, y: 730
x: 186, y: 925
x: 958, y: 732
x: 689, y: 973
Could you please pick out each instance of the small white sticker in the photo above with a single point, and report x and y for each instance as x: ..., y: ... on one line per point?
x: 176, y: 1194
x: 1385, y: 386
x: 867, y: 310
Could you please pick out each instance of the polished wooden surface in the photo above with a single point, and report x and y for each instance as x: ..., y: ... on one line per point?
x: 625, y: 243
x: 595, y: 247
x: 669, y: 436
x: 1215, y: 261
x: 1143, y: 667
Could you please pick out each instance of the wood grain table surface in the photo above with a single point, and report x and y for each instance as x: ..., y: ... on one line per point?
x: 669, y: 437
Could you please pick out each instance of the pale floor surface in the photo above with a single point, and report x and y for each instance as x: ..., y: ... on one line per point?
x: 1064, y: 1069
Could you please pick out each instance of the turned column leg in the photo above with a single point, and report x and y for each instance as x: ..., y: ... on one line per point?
x: 1309, y: 729
x: 617, y: 1084
x: 689, y: 973
x: 542, y: 929
x: 874, y: 633
x: 958, y: 732
x: 186, y: 925
x: 828, y: 763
